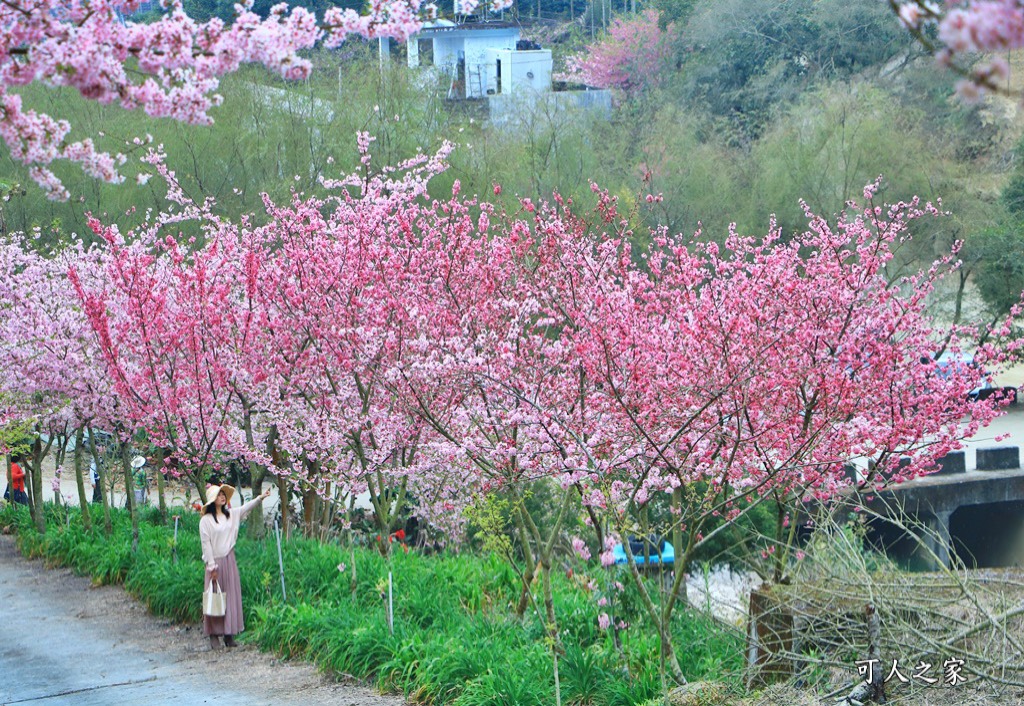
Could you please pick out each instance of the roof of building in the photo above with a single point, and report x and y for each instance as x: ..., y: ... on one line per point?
x: 446, y: 26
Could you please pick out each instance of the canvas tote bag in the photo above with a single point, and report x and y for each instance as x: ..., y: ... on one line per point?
x: 214, y: 601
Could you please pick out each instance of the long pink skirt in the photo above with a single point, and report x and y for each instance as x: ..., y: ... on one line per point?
x: 227, y: 576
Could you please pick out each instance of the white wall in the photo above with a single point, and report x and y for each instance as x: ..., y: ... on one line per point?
x: 531, y: 71
x: 480, y: 60
x: 524, y: 71
x: 446, y: 52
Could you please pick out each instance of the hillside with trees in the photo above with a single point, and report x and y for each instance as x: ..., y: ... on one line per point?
x: 743, y: 109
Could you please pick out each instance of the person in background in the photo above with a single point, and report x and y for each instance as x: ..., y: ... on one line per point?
x: 97, y: 491
x: 218, y: 532
x: 16, y: 492
x: 140, y: 480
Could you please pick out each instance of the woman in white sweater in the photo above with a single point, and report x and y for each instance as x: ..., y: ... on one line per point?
x: 218, y: 531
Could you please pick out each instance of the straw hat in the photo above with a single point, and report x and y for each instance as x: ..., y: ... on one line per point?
x: 214, y: 490
x: 138, y: 462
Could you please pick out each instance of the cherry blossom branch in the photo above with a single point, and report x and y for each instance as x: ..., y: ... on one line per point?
x: 966, y: 30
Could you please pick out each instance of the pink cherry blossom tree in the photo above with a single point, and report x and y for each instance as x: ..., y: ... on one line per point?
x: 335, y: 268
x: 170, y: 328
x: 53, y: 374
x: 631, y: 57
x: 272, y: 343
x: 754, y: 372
x: 715, y: 378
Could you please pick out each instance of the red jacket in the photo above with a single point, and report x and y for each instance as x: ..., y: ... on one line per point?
x: 17, y: 477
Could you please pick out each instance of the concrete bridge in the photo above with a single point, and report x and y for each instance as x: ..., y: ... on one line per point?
x: 979, y: 513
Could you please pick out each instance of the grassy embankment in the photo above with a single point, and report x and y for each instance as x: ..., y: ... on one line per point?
x: 455, y: 641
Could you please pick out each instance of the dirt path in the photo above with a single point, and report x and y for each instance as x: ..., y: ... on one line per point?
x: 64, y: 641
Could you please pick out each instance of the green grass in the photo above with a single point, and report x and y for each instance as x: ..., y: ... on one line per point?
x: 456, y: 640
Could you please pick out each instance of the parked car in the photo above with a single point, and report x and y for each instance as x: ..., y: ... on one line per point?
x: 657, y: 550
x: 988, y: 390
x: 948, y: 362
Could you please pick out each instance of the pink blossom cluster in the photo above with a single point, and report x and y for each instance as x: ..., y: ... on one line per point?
x: 86, y: 45
x: 969, y: 27
x: 580, y: 548
x: 984, y: 25
x: 53, y: 374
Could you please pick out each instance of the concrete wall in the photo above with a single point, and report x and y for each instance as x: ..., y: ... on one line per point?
x: 526, y: 109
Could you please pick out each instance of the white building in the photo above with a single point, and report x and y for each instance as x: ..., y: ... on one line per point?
x: 481, y: 59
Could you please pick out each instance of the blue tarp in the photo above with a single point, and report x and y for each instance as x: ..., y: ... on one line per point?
x: 668, y: 555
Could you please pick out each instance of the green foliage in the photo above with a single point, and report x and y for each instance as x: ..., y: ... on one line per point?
x: 1012, y: 196
x: 682, y: 156
x: 999, y: 275
x: 676, y: 12
x: 490, y: 516
x: 736, y: 543
x: 16, y: 435
x: 829, y: 145
x: 587, y: 671
x: 505, y: 685
x: 13, y: 517
x: 268, y: 136
x: 455, y: 639
x: 748, y: 56
x: 544, y: 150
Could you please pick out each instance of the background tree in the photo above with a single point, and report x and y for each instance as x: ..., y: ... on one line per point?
x: 632, y: 56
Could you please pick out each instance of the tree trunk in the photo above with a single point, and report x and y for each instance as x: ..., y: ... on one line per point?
x: 282, y: 490
x: 661, y: 619
x: 326, y: 517
x: 36, y: 487
x: 388, y: 504
x: 60, y: 452
x: 282, y: 487
x: 528, y: 574
x: 255, y: 529
x: 83, y: 501
x: 108, y: 526
x: 161, y: 484
x: 308, y: 510
x: 129, y: 489
x: 677, y: 543
x: 595, y: 521
x: 199, y: 483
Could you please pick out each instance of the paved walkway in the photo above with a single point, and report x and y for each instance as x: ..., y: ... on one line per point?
x: 63, y: 641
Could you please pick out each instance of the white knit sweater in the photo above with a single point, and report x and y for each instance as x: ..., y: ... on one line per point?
x: 219, y: 537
